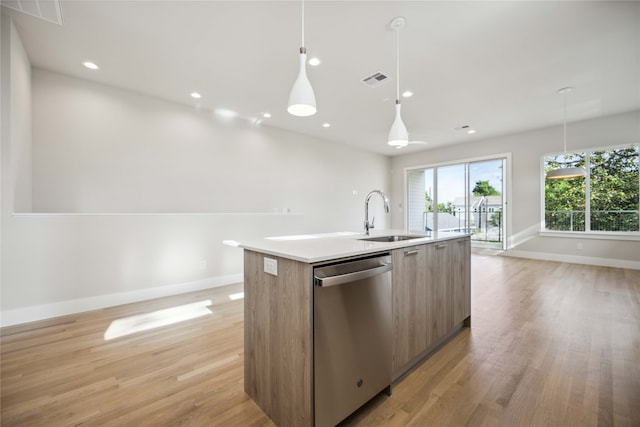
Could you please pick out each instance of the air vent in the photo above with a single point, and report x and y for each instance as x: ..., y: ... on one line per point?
x: 375, y: 80
x: 48, y: 10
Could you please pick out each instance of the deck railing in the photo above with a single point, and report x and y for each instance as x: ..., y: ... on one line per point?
x: 601, y: 220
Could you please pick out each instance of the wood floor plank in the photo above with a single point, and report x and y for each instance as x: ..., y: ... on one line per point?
x: 551, y: 344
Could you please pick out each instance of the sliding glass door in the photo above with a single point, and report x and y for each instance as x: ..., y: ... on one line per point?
x: 486, y: 203
x: 451, y: 197
x: 465, y: 197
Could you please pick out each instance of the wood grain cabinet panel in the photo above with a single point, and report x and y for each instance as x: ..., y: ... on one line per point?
x: 409, y: 305
x: 278, y: 339
x: 460, y: 270
x: 439, y: 295
x: 449, y: 290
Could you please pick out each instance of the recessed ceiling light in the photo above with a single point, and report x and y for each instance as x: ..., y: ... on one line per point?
x: 224, y: 113
x: 196, y: 95
x: 266, y: 115
x: 407, y: 94
x: 90, y: 65
x: 471, y: 131
x: 326, y: 125
x: 314, y: 62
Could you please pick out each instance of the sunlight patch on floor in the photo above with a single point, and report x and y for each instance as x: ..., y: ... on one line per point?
x: 236, y: 296
x: 156, y: 319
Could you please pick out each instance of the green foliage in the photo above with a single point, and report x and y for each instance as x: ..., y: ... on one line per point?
x: 614, y: 188
x: 496, y: 219
x: 428, y: 202
x: 483, y: 188
x: 613, y: 181
x: 445, y: 208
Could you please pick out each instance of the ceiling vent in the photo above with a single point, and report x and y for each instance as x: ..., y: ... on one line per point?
x: 375, y: 80
x: 48, y: 10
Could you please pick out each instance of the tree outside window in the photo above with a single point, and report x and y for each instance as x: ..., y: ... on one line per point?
x: 611, y: 186
x: 614, y: 190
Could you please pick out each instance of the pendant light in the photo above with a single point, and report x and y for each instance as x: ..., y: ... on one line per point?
x: 564, y: 172
x: 398, y: 135
x: 302, y: 100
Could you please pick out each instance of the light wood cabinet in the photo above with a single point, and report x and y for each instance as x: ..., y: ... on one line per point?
x: 439, y: 295
x: 449, y: 266
x: 278, y: 336
x: 409, y: 304
x: 460, y: 269
x: 431, y: 297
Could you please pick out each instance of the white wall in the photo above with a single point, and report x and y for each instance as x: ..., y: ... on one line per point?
x: 17, y: 96
x: 527, y: 150
x: 101, y: 149
x: 134, y: 195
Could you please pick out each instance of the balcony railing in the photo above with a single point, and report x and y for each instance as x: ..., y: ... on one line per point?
x: 484, y: 225
x: 610, y: 220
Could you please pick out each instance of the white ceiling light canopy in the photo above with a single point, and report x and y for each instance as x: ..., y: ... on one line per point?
x: 398, y: 135
x: 564, y: 171
x: 302, y: 100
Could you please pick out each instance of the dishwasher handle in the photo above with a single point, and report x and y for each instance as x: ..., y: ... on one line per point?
x: 324, y: 282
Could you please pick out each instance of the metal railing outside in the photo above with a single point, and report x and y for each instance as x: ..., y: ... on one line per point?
x: 601, y: 220
x: 484, y: 225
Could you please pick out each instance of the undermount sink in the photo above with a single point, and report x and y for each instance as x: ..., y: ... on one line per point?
x: 393, y: 238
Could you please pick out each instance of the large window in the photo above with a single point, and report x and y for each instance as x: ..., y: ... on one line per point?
x: 605, y: 200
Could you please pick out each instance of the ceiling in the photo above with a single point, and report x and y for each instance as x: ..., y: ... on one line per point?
x: 495, y: 66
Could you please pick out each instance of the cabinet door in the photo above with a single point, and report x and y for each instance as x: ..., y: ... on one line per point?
x: 439, y: 319
x: 460, y: 280
x: 409, y: 305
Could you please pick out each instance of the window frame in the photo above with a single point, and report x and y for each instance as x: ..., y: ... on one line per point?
x: 605, y: 235
x: 507, y: 185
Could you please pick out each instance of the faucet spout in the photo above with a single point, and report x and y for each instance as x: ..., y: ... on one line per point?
x: 368, y: 225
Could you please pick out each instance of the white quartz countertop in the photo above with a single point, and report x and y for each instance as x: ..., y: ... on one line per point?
x: 313, y: 248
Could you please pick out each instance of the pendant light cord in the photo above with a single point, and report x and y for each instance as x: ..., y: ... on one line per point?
x: 398, y: 65
x: 302, y: 46
x: 565, y: 125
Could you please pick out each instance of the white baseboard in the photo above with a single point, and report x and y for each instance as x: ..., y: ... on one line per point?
x: 574, y: 259
x: 62, y: 308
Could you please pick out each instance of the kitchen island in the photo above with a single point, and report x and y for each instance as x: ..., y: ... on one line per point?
x: 430, y: 302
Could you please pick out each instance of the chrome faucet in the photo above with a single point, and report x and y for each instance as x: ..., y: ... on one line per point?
x: 367, y: 225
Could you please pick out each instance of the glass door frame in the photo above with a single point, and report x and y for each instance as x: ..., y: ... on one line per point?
x: 506, y: 225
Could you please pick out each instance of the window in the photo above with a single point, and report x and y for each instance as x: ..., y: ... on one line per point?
x: 464, y: 196
x: 605, y: 200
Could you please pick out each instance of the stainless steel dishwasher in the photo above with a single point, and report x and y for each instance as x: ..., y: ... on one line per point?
x: 352, y: 336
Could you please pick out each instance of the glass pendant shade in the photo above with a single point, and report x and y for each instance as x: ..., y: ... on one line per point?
x: 398, y: 135
x: 302, y: 100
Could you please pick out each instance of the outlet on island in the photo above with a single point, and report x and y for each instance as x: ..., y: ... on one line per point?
x: 271, y: 266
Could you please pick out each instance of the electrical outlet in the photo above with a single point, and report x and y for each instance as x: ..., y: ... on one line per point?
x: 579, y: 246
x: 271, y: 266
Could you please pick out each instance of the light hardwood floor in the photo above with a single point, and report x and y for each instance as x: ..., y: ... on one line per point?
x: 551, y: 344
